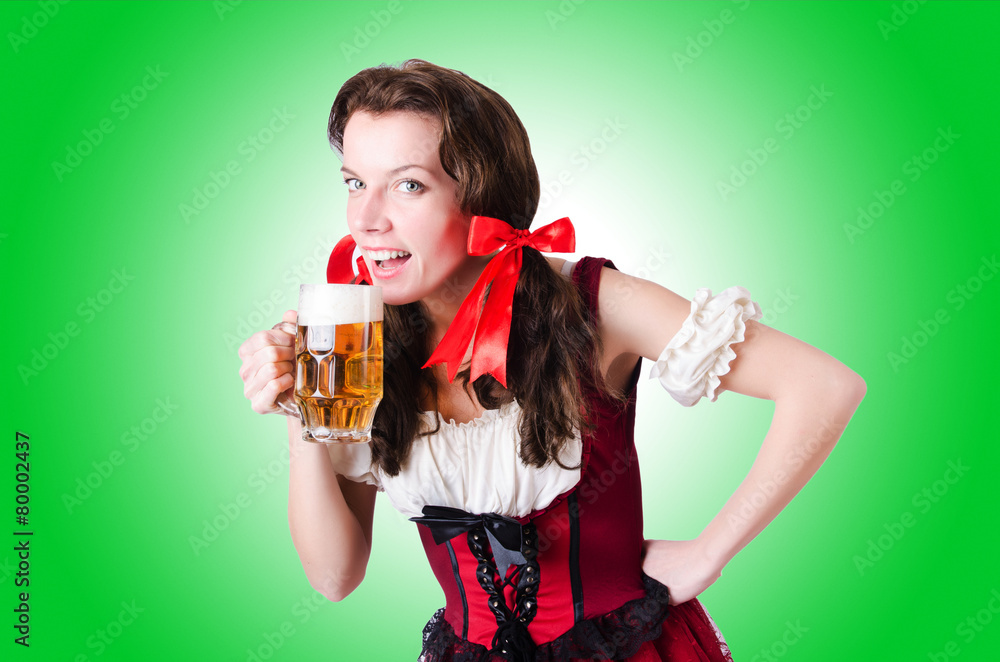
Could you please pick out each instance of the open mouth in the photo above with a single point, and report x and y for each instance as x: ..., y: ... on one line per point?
x: 389, y: 260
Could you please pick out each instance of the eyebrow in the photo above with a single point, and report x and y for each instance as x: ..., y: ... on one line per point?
x: 394, y: 171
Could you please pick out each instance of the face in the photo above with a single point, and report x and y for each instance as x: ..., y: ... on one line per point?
x: 402, y: 207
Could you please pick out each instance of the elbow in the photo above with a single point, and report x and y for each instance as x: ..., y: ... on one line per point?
x: 832, y: 388
x: 850, y: 387
x: 336, y: 589
x: 334, y: 596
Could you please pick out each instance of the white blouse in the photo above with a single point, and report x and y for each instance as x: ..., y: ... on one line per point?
x: 476, y: 467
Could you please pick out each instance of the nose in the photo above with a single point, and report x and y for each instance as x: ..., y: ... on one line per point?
x: 367, y: 213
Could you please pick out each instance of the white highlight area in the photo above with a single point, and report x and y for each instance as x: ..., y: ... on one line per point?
x: 332, y: 303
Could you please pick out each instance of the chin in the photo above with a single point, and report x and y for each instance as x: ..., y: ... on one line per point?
x: 395, y: 296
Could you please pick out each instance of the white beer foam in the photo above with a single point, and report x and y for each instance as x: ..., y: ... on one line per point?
x: 332, y: 303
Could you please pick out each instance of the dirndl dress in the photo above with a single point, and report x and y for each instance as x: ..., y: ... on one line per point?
x: 545, y: 563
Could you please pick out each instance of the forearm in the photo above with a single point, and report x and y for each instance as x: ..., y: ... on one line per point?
x: 805, y: 428
x: 330, y: 542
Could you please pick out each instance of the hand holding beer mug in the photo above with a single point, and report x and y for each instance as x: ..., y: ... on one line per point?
x: 338, y: 362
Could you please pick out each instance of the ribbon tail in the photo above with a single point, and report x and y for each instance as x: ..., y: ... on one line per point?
x: 455, y: 343
x: 503, y: 555
x: 489, y: 353
x: 445, y: 529
x: 363, y: 275
x: 445, y: 522
x: 339, y: 268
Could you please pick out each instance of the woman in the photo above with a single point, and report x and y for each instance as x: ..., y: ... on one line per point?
x: 521, y: 472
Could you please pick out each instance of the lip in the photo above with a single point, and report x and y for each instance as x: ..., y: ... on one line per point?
x: 382, y: 248
x: 386, y: 274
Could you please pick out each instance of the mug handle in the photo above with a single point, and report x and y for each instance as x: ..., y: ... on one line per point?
x: 285, y: 402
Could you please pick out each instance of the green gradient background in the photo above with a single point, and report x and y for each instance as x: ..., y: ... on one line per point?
x: 172, y: 333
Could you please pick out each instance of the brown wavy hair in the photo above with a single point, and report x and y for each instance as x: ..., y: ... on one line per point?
x: 554, y: 346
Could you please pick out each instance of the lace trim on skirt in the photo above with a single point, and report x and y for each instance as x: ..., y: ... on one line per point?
x: 616, y: 635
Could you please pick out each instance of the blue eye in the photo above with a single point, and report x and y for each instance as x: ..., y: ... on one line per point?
x: 354, y: 184
x: 411, y: 186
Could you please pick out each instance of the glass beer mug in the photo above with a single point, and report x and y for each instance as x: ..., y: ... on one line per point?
x: 338, y: 362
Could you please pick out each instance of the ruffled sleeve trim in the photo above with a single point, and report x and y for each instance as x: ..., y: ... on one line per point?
x: 354, y: 462
x: 700, y: 353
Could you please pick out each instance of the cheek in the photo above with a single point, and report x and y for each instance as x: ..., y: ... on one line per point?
x: 458, y: 236
x: 350, y: 213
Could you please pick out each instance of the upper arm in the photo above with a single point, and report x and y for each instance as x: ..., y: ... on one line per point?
x: 640, y: 318
x: 637, y: 318
x: 360, y: 498
x: 771, y: 364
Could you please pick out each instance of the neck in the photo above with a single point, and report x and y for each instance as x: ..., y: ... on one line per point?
x: 442, y: 306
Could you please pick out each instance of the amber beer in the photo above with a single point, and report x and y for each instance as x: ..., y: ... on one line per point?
x: 338, y: 361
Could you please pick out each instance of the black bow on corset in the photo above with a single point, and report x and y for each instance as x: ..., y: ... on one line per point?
x: 503, y: 532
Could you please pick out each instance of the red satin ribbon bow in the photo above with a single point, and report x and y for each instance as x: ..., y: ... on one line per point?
x: 490, y: 323
x: 339, y: 268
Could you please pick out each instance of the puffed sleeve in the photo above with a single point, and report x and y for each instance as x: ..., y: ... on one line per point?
x: 354, y: 461
x: 700, y: 353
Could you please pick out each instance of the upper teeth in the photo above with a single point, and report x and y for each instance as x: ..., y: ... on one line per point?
x: 387, y: 255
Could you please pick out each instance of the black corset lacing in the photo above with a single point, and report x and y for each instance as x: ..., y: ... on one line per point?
x: 511, y: 544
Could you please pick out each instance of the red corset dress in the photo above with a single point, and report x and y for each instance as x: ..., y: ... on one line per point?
x: 545, y: 564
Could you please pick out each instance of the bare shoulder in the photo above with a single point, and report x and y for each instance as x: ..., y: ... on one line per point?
x: 636, y: 316
x: 557, y: 263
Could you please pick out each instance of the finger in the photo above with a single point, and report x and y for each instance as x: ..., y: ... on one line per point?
x: 263, y: 339
x: 285, y: 327
x: 253, y: 343
x: 287, y: 323
x: 270, y: 354
x: 263, y: 402
x: 264, y: 355
x: 265, y: 375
